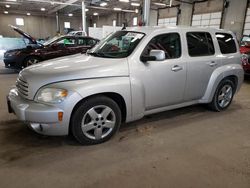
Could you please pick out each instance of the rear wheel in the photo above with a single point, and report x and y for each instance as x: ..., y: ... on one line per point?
x: 96, y: 120
x: 223, y: 96
x: 30, y: 61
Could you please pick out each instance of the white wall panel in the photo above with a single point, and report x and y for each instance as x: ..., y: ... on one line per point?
x: 167, y: 21
x: 216, y: 15
x: 197, y: 17
x: 246, y: 30
x: 248, y: 11
x: 208, y: 19
x: 215, y: 22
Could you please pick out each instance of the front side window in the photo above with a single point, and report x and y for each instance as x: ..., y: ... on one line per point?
x: 170, y: 43
x: 118, y: 45
x: 68, y: 42
x: 199, y: 44
x: 226, y: 43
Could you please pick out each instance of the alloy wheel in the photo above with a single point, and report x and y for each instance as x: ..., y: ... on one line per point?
x: 32, y: 62
x: 225, y: 96
x: 98, y: 122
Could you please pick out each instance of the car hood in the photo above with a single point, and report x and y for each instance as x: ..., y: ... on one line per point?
x: 34, y: 47
x: 25, y: 35
x: 74, y: 67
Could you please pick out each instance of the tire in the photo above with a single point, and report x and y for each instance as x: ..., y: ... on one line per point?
x: 31, y: 61
x: 223, y: 96
x: 95, y: 120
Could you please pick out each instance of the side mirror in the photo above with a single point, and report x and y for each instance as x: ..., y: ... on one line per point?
x: 55, y: 45
x: 154, y: 55
x: 29, y: 47
x: 158, y: 54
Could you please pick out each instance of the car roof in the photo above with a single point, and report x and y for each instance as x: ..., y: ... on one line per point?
x: 150, y: 29
x: 76, y: 36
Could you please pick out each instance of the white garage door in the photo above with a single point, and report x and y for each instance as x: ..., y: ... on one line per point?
x: 247, y: 23
x: 167, y: 21
x: 208, y: 20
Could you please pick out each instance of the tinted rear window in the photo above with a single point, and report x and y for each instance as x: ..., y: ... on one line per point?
x: 200, y: 44
x: 226, y: 43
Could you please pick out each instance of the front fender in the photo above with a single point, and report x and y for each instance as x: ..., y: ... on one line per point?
x: 93, y: 86
x: 218, y: 75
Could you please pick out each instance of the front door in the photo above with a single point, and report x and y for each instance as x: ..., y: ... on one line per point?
x: 163, y: 81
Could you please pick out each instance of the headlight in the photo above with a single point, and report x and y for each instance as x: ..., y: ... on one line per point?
x: 52, y: 95
x: 12, y: 53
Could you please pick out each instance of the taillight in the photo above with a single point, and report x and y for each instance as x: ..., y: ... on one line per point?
x: 244, y: 59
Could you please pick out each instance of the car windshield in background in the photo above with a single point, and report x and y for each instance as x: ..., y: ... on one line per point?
x: 48, y: 42
x: 118, y: 45
x: 12, y: 43
x: 245, y: 41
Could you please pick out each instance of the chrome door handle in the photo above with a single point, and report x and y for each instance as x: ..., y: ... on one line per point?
x: 212, y: 64
x: 176, y: 68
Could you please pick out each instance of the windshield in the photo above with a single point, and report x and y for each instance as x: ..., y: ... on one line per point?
x: 118, y: 45
x: 48, y: 42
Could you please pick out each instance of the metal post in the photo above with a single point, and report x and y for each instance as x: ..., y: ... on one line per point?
x: 83, y: 16
x: 146, y: 12
x: 57, y: 23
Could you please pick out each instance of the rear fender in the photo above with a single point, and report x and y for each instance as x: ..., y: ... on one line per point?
x: 218, y: 75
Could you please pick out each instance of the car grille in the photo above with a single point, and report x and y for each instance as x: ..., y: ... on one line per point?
x: 22, y: 87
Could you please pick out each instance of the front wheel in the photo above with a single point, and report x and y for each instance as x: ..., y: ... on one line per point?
x: 223, y: 96
x: 96, y: 120
x: 30, y: 61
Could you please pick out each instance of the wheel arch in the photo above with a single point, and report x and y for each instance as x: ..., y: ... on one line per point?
x: 112, y: 95
x: 233, y: 73
x: 29, y: 56
x: 234, y: 79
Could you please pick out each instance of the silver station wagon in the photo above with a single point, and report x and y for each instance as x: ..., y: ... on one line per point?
x: 128, y: 75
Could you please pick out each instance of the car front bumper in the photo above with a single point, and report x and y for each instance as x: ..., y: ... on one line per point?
x: 42, y: 118
x: 13, y: 62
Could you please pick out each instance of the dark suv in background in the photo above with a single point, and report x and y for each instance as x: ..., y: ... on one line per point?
x: 53, y: 48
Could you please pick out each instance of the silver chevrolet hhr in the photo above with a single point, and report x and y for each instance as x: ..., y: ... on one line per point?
x: 128, y: 75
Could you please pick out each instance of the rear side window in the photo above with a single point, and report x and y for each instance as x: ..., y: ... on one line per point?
x: 91, y: 42
x: 200, y: 44
x: 226, y: 43
x: 82, y: 41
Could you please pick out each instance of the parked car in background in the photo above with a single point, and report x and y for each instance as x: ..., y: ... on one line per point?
x: 11, y: 44
x: 245, y: 51
x: 78, y: 33
x: 53, y: 48
x: 128, y: 75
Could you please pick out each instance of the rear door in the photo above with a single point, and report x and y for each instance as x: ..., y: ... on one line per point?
x: 201, y: 62
x: 82, y: 45
x: 85, y: 43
